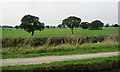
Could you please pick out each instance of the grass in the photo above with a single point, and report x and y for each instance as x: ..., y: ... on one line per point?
x: 10, y: 33
x: 61, y: 64
x: 65, y: 49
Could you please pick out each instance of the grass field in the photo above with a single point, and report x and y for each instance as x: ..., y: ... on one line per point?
x: 62, y: 49
x: 63, y: 64
x: 65, y: 49
x: 10, y: 33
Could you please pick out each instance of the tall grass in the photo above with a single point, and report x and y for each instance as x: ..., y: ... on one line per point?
x: 64, y: 49
x: 41, y: 41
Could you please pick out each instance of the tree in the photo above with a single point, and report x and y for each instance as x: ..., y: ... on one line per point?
x: 84, y: 25
x: 71, y: 22
x: 5, y: 26
x: 17, y: 27
x: 30, y: 23
x: 96, y: 25
x: 47, y: 26
x: 52, y: 26
x: 116, y: 25
x: 107, y: 25
x: 60, y: 26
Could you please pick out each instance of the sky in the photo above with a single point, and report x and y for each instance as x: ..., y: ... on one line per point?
x: 52, y: 13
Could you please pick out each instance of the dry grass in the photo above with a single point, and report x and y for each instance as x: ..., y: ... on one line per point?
x: 64, y: 49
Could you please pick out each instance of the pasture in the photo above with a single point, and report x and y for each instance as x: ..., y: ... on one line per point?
x: 13, y: 33
x: 59, y: 37
x: 17, y: 43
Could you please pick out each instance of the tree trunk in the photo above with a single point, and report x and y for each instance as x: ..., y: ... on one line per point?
x: 32, y: 33
x: 72, y: 30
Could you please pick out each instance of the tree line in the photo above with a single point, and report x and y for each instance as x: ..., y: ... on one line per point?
x: 31, y: 23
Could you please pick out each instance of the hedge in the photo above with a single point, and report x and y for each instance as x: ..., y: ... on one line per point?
x: 40, y: 41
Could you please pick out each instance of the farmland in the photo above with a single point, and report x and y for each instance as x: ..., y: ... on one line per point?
x: 59, y: 37
x: 18, y: 43
x: 12, y: 33
x: 62, y: 42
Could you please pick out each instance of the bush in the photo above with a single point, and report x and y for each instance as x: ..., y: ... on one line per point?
x: 18, y: 42
x: 40, y: 41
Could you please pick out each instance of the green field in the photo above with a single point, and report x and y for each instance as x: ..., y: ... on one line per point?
x: 10, y: 33
x: 63, y: 49
x: 66, y: 64
x: 26, y: 51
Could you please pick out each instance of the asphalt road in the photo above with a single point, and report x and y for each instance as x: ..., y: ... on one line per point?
x: 47, y: 59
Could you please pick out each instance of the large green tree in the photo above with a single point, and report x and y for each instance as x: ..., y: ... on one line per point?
x: 84, y: 25
x: 31, y: 23
x: 71, y: 22
x: 96, y: 25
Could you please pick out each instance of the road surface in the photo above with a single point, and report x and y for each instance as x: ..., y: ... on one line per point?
x: 47, y: 59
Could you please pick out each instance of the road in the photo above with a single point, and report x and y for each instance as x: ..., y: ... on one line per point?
x: 47, y: 59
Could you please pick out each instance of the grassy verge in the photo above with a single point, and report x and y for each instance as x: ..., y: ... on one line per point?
x: 84, y: 64
x: 66, y: 49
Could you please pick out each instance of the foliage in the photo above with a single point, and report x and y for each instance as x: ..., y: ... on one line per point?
x: 30, y: 23
x: 107, y: 25
x: 63, y: 49
x: 17, y: 27
x: 36, y: 41
x: 47, y: 26
x: 116, y: 25
x: 61, y: 26
x: 5, y: 26
x: 96, y: 25
x: 84, y: 25
x: 52, y: 26
x: 71, y: 22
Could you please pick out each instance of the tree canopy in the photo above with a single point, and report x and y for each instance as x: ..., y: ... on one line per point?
x: 31, y: 23
x: 71, y: 22
x: 116, y: 25
x: 96, y: 25
x: 47, y: 26
x: 61, y: 26
x: 107, y: 25
x: 17, y: 27
x: 84, y: 25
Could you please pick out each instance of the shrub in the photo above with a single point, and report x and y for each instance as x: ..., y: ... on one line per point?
x: 40, y: 41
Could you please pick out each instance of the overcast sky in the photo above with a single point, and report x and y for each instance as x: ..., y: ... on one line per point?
x: 52, y: 13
